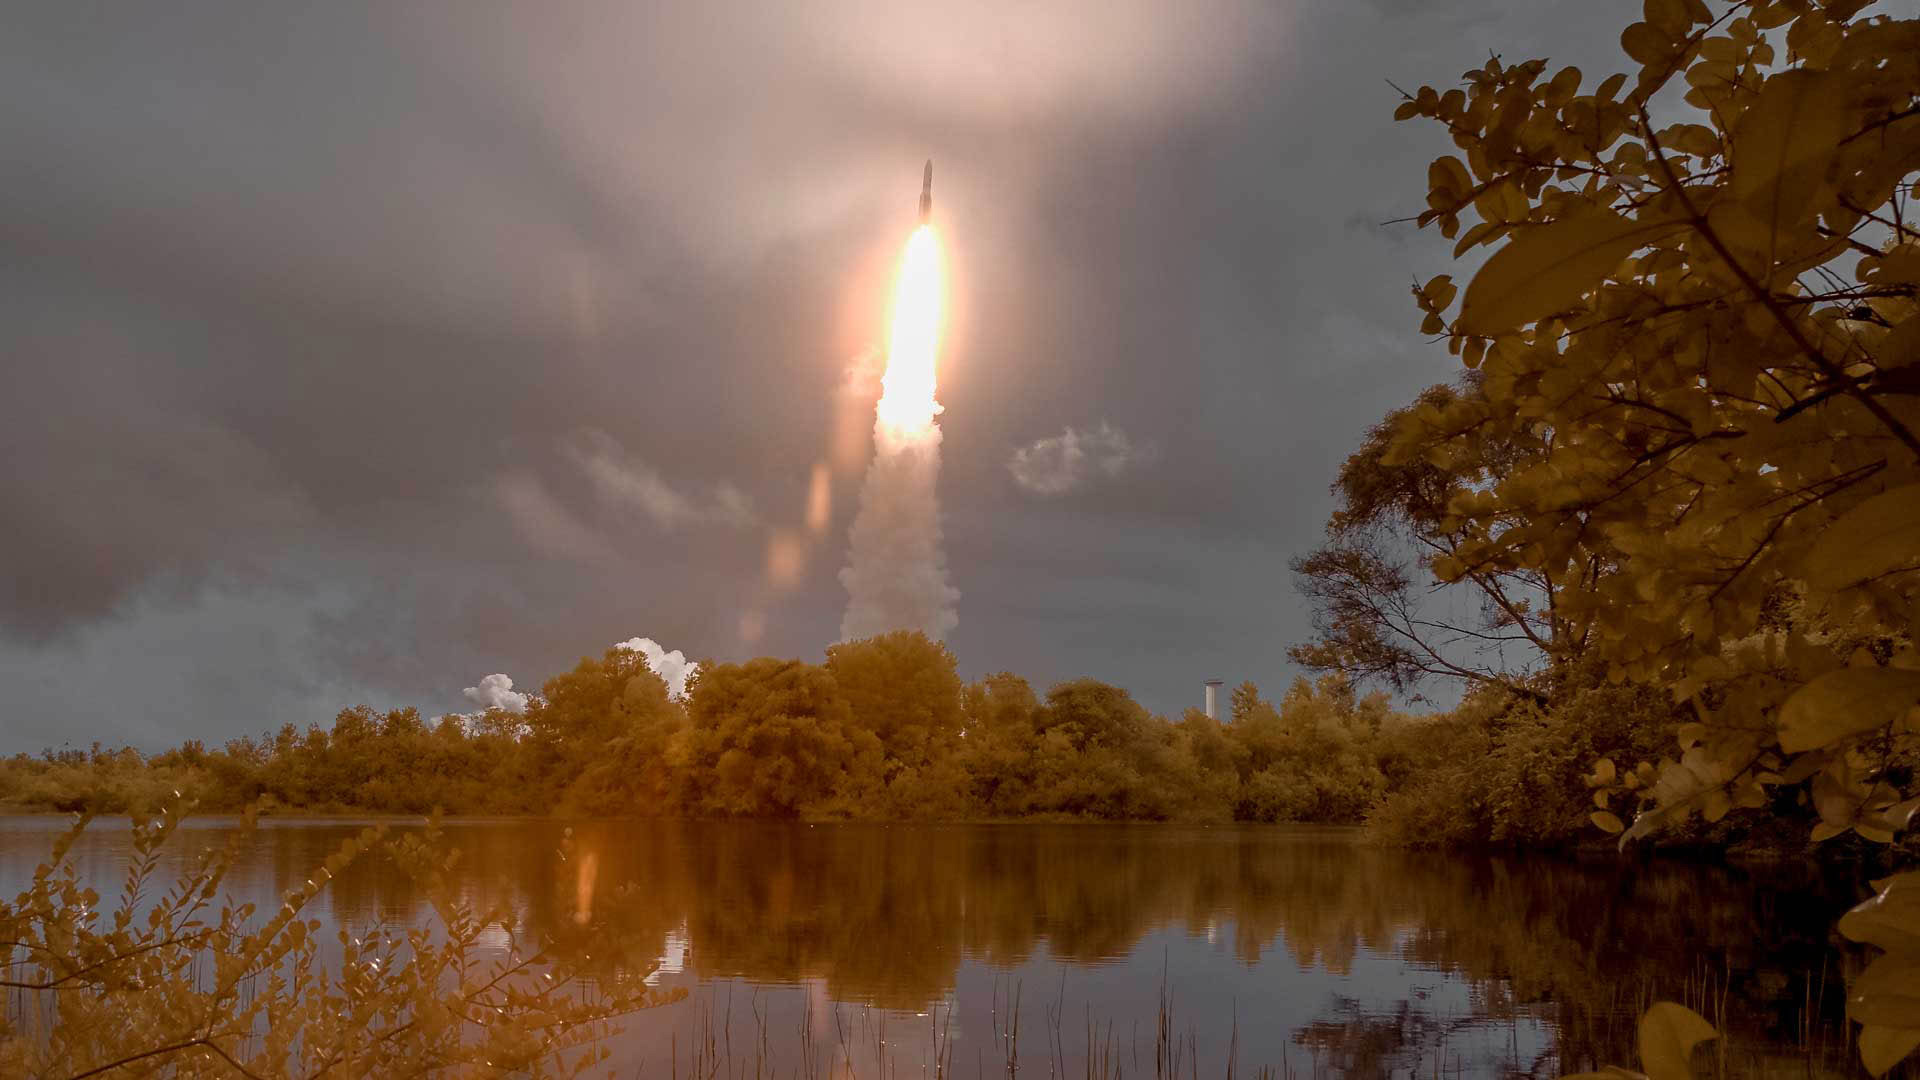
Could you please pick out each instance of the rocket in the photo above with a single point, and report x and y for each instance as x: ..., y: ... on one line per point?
x: 926, y: 194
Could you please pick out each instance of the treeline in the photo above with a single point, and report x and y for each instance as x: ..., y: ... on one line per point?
x: 884, y: 729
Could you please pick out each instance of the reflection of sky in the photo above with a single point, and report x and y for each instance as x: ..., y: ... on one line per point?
x: 1427, y: 1018
x: 1272, y: 956
x: 673, y: 957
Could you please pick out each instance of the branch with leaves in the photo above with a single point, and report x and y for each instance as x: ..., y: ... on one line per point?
x: 191, y: 991
x: 1706, y: 325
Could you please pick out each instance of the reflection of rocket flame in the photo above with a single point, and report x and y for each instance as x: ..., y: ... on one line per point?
x: 583, y: 888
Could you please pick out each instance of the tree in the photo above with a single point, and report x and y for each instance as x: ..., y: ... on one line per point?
x: 999, y: 739
x: 773, y: 738
x: 1100, y: 754
x: 1372, y: 612
x: 1709, y: 327
x: 904, y: 688
x: 610, y: 727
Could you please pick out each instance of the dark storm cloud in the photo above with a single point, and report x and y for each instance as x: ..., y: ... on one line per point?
x: 358, y: 352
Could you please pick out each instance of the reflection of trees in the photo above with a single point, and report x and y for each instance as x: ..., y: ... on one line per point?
x: 885, y: 915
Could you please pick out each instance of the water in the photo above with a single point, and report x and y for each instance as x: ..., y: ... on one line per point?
x: 1295, y: 947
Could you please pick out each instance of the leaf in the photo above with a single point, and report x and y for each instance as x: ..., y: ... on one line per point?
x: 1668, y: 1034
x: 1887, y: 993
x: 1877, y: 536
x: 1670, y: 17
x: 1783, y: 144
x: 1447, y: 174
x: 1844, y: 703
x: 1873, y: 832
x: 1564, y: 84
x: 1646, y: 44
x: 1608, y: 821
x: 1547, y: 268
x: 1890, y: 919
x: 1881, y: 1047
x: 1898, y: 817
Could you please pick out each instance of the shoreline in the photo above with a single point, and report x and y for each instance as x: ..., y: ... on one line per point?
x: 1693, y: 852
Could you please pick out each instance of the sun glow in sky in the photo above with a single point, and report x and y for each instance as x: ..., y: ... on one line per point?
x: 907, y: 406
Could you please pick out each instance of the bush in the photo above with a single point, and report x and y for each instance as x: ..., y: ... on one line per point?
x: 199, y: 989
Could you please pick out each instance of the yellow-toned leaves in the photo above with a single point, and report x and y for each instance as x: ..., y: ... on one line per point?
x: 1881, y: 1048
x: 1889, y: 919
x: 1783, y: 145
x: 1449, y: 176
x: 1876, y: 537
x: 1670, y: 17
x: 1844, y: 703
x: 1548, y: 268
x: 1887, y: 994
x: 1668, y: 1034
x: 1647, y: 44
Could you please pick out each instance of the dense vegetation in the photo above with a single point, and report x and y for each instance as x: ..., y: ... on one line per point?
x: 1685, y: 450
x: 173, y: 979
x: 884, y: 729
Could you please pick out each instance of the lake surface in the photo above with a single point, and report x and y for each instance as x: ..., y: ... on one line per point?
x: 1293, y: 947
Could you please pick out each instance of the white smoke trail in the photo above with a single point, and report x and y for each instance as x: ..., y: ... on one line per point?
x: 896, y: 576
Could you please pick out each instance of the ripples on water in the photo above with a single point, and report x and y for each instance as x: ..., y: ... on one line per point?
x: 1302, y: 947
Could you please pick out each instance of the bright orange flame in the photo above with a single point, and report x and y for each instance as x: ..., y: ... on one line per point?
x: 907, y: 407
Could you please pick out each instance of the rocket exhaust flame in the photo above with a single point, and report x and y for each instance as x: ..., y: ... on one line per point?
x: 907, y: 404
x: 896, y: 576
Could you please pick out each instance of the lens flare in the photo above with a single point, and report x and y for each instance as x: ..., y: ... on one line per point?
x: 907, y: 406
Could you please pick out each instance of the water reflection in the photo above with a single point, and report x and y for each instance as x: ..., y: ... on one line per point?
x: 1314, y: 948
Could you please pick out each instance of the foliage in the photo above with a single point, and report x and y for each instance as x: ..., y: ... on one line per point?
x: 884, y: 730
x: 1513, y: 771
x: 181, y: 981
x: 905, y: 689
x: 1373, y: 616
x: 1704, y: 330
x: 772, y: 738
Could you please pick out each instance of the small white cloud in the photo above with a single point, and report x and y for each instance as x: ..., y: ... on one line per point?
x: 496, y: 692
x: 625, y: 482
x: 673, y: 667
x: 1066, y: 462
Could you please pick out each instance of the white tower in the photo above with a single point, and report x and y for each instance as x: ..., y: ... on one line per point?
x: 1212, y: 699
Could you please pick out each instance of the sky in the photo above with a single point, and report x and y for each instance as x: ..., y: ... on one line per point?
x: 356, y: 352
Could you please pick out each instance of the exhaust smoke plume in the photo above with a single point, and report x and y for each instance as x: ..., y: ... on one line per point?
x: 896, y: 576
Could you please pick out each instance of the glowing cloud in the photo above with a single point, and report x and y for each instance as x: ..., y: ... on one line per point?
x: 496, y: 692
x: 673, y: 667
